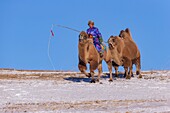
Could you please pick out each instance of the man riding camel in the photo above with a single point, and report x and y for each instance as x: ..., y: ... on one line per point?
x: 94, y: 33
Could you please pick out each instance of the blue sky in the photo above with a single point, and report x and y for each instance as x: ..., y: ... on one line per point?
x: 25, y: 27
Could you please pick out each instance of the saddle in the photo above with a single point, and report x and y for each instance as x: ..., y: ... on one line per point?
x: 103, y: 46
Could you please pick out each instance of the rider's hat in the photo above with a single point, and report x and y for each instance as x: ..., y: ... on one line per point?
x: 90, y: 22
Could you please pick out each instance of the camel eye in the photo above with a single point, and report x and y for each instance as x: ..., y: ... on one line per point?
x: 81, y: 37
x: 113, y: 40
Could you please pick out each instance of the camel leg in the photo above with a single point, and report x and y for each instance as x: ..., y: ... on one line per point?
x: 93, y: 66
x: 82, y: 67
x: 92, y: 75
x: 116, y: 71
x: 138, y: 67
x: 116, y: 68
x: 131, y: 70
x: 110, y: 70
x: 99, y: 71
x: 127, y: 65
x: 126, y: 73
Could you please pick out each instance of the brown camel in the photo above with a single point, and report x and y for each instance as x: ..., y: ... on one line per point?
x: 125, y: 53
x: 89, y: 54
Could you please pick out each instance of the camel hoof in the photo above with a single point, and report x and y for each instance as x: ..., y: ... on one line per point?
x: 124, y: 76
x: 110, y: 80
x: 140, y: 76
x: 97, y: 80
x: 92, y: 81
x: 132, y: 75
x: 89, y: 75
x: 137, y: 72
x: 128, y: 77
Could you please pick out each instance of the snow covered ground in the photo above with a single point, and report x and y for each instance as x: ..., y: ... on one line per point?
x: 50, y: 91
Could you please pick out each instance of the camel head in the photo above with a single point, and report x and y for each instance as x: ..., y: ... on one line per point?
x: 83, y: 37
x: 113, y: 41
x: 116, y: 46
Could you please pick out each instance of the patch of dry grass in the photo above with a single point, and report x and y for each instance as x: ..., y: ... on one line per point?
x: 84, y: 105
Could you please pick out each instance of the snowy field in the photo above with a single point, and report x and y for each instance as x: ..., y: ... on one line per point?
x: 52, y: 91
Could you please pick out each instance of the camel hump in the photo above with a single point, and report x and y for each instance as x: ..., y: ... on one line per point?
x: 126, y: 34
x: 128, y: 31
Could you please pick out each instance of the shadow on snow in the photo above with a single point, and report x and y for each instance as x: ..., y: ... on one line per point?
x: 86, y: 79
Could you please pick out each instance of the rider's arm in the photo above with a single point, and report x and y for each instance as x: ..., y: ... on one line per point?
x: 99, y: 35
